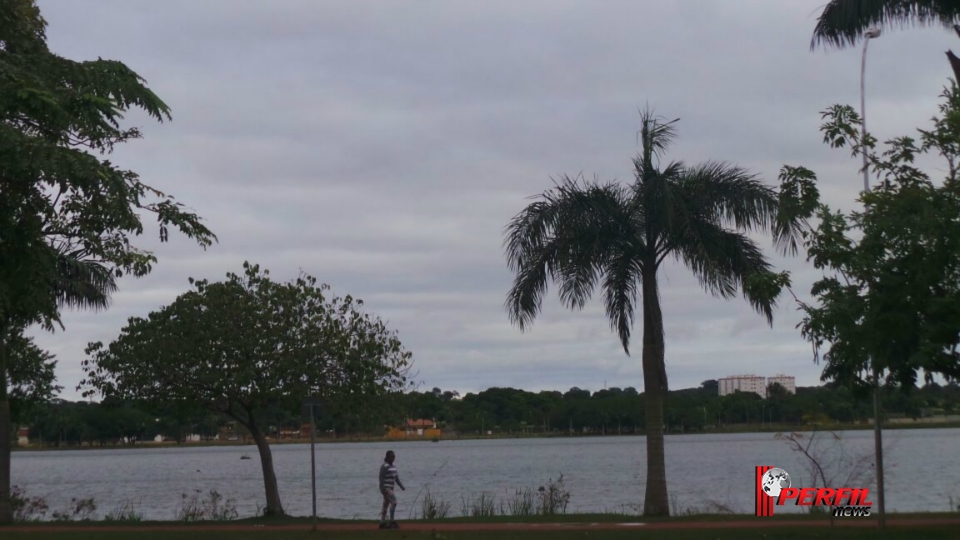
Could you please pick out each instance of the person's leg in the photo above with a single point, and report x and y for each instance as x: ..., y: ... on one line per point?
x: 383, y: 508
x: 393, y: 505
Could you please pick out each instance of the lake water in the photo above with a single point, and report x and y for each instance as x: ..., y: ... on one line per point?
x: 601, y: 473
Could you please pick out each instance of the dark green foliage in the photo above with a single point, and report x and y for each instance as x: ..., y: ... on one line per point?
x: 67, y: 216
x: 891, y: 289
x: 31, y: 376
x: 843, y: 22
x: 506, y: 411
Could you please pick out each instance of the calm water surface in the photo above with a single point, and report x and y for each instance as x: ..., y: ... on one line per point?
x: 601, y: 473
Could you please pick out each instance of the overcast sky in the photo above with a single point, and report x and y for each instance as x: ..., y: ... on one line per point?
x: 383, y: 146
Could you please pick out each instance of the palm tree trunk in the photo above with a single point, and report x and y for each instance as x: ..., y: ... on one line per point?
x: 656, y: 502
x: 6, y: 507
x: 274, y: 508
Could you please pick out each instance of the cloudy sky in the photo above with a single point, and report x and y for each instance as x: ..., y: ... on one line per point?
x: 382, y: 146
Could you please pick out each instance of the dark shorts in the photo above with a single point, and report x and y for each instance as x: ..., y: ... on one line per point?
x: 388, y: 496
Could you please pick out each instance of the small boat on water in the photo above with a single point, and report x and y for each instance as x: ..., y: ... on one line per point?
x: 245, y: 457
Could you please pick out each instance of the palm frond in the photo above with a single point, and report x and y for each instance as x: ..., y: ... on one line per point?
x: 843, y: 22
x: 620, y: 294
x: 655, y: 136
x: 565, y: 237
x: 720, y: 259
x: 654, y: 202
x: 731, y: 194
x: 82, y: 284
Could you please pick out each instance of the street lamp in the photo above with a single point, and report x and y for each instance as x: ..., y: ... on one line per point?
x: 312, y: 402
x: 872, y: 33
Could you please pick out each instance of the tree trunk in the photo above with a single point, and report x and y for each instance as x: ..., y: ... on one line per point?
x: 274, y: 508
x: 656, y: 501
x: 6, y: 507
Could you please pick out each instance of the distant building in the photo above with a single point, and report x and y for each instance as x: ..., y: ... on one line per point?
x: 414, y: 428
x: 789, y: 383
x: 743, y: 383
x: 23, y: 436
x: 755, y: 384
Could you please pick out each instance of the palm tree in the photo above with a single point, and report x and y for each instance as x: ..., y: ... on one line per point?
x: 581, y: 233
x: 843, y: 22
x: 74, y: 282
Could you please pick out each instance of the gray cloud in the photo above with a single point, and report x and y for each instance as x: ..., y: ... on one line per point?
x: 382, y: 147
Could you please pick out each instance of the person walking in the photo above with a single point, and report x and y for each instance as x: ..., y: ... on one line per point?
x: 388, y: 479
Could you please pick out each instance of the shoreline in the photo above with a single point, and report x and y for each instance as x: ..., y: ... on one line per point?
x: 476, y: 437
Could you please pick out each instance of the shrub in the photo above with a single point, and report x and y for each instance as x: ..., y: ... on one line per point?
x: 432, y: 508
x: 79, y: 510
x: 522, y: 504
x: 27, y: 508
x: 213, y: 508
x: 125, y: 512
x: 554, y: 498
x: 481, y: 507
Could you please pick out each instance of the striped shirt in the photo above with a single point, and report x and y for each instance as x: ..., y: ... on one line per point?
x: 388, y: 476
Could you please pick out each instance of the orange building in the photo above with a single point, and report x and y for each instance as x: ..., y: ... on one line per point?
x: 421, y: 428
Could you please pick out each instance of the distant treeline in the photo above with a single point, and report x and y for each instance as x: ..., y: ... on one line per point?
x: 497, y: 410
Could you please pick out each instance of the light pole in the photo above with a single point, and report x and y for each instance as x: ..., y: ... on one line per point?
x: 312, y: 402
x: 872, y: 33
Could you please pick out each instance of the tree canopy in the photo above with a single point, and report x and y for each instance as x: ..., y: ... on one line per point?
x: 244, y: 345
x: 67, y: 214
x: 32, y: 380
x: 891, y: 289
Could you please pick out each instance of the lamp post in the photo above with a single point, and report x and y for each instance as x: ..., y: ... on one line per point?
x: 311, y: 402
x: 872, y: 33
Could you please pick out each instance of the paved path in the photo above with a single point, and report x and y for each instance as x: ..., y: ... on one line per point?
x: 450, y: 527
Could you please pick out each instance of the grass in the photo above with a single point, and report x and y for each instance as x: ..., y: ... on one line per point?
x: 899, y: 533
x: 609, y: 517
x: 267, y: 532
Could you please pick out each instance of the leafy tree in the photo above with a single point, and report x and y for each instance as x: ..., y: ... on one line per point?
x: 249, y: 344
x: 892, y: 295
x: 889, y: 304
x: 66, y: 215
x: 31, y: 377
x: 578, y: 233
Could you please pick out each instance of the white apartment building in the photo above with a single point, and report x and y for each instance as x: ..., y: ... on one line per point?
x: 743, y: 383
x: 786, y: 381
